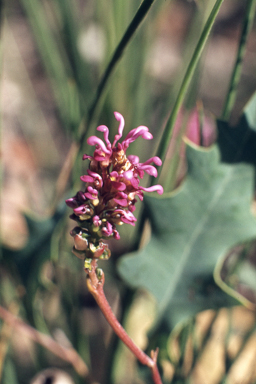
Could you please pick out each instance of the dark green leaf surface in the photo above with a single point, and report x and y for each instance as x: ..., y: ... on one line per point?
x: 191, y: 229
x: 238, y: 144
x: 28, y: 261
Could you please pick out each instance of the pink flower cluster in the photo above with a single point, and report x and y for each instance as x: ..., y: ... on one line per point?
x: 112, y: 185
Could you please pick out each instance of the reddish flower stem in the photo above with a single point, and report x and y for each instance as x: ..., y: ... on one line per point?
x: 99, y: 295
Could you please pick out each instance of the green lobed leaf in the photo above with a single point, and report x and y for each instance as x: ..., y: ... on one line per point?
x: 191, y: 229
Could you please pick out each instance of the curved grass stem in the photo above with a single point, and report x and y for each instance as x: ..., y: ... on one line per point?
x: 133, y: 26
x: 232, y: 91
x: 165, y: 140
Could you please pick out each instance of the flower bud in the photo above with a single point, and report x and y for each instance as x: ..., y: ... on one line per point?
x: 80, y: 238
x: 88, y: 264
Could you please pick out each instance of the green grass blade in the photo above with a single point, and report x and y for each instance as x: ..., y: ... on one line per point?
x: 70, y: 32
x: 138, y: 18
x: 164, y: 143
x: 247, y: 24
x: 54, y: 61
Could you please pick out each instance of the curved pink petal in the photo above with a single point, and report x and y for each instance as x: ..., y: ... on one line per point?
x: 119, y: 118
x: 114, y: 174
x: 133, y: 159
x: 116, y: 234
x: 87, y: 179
x: 126, y: 216
x: 99, y: 157
x: 122, y: 202
x: 132, y: 208
x: 140, y: 195
x: 105, y: 130
x: 95, y: 176
x: 156, y: 160
x: 134, y: 182
x: 82, y: 209
x: 155, y: 188
x: 118, y: 185
x: 107, y: 230
x: 87, y: 157
x: 135, y: 133
x: 96, y: 221
x: 72, y: 203
x: 94, y: 140
x: 150, y: 169
x: 91, y: 193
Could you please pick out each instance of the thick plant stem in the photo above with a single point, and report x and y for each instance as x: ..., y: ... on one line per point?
x: 95, y: 286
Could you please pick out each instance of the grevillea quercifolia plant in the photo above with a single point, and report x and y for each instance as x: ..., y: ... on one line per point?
x: 111, y: 188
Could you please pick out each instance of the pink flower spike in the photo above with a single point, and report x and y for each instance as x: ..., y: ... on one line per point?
x: 105, y: 130
x: 119, y: 118
x: 94, y: 140
x: 155, y: 188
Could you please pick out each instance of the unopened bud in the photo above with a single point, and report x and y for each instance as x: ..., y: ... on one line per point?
x: 88, y: 264
x: 80, y: 238
x: 99, y: 273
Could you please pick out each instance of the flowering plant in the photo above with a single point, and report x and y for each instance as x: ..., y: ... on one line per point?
x: 112, y: 184
x: 199, y: 256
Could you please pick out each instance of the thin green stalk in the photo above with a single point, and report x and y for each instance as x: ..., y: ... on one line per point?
x: 164, y: 143
x: 232, y: 91
x: 138, y: 18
